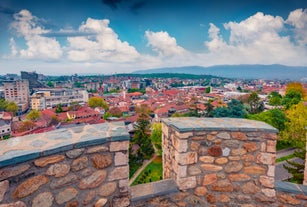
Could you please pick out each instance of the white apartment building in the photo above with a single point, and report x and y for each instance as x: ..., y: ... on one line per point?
x: 50, y: 98
x: 17, y: 91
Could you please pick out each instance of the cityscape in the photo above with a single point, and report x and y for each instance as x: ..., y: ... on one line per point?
x: 196, y: 104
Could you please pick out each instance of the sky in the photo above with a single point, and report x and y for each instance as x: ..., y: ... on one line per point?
x: 56, y: 37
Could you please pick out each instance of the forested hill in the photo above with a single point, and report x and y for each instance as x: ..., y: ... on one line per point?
x: 239, y: 71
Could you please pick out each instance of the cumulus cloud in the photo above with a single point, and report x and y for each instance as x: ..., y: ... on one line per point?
x: 104, y: 46
x: 255, y: 40
x: 38, y: 47
x: 298, y: 19
x: 162, y: 43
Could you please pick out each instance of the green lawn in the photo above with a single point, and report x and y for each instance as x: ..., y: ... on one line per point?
x: 285, y: 158
x: 153, y: 172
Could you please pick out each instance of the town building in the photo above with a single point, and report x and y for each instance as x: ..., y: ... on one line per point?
x: 18, y: 92
x: 50, y: 98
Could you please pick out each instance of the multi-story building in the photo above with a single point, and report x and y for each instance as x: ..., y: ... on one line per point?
x: 32, y: 77
x: 5, y: 124
x: 50, y: 98
x: 17, y: 91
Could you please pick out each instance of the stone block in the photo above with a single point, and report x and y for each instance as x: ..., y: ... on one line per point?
x: 30, y: 186
x: 101, y: 202
x: 64, y: 181
x: 233, y: 167
x: 186, y: 183
x: 271, y: 146
x: 238, y: 152
x: 107, y: 189
x: 269, y: 192
x: 93, y: 180
x: 271, y: 170
x: 209, y: 179
x: 250, y: 188
x: 222, y: 186
x: 119, y: 173
x: 79, y: 163
x: 186, y: 158
x: 288, y: 199
x: 206, y: 159
x: 193, y: 170
x: 238, y: 135
x: 184, y: 135
x: 72, y: 154
x: 43, y: 199
x: 96, y: 149
x: 211, y: 167
x: 221, y: 161
x: 179, y: 144
x: 200, y: 191
x: 267, y: 181
x: 121, y: 159
x: 101, y: 161
x: 250, y: 146
x: 266, y: 158
x: 13, y: 171
x: 238, y: 177
x: 15, y: 204
x: 121, y: 201
x: 223, y: 135
x: 215, y: 151
x: 232, y: 143
x: 254, y: 170
x: 223, y: 198
x: 119, y: 146
x: 66, y: 195
x: 181, y: 171
x: 42, y: 162
x: 58, y: 170
x: 194, y: 146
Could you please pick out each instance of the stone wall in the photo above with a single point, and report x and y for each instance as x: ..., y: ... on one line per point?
x: 221, y: 160
x: 80, y: 166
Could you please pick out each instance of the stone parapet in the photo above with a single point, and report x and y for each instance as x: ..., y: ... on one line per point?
x: 80, y: 166
x: 221, y: 160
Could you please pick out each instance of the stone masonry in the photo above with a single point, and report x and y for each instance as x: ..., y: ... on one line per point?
x: 224, y: 161
x: 87, y: 166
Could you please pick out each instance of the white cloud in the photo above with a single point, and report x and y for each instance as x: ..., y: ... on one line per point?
x: 298, y: 19
x: 104, y: 46
x: 255, y: 40
x: 164, y: 44
x: 38, y: 46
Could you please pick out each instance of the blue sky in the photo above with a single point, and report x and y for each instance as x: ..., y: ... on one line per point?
x: 108, y: 36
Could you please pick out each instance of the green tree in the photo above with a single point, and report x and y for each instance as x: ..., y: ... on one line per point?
x: 234, y: 109
x: 209, y: 109
x: 291, y: 98
x: 142, y: 133
x: 274, y: 117
x: 33, y: 115
x: 3, y: 104
x: 296, y: 86
x: 94, y: 102
x: 295, y: 131
x: 156, y: 136
x: 26, y: 126
x: 59, y: 109
x: 256, y: 106
x: 50, y: 84
x: 12, y: 107
x: 275, y: 99
x: 297, y: 169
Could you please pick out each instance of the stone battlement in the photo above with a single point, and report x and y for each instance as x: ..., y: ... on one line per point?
x: 220, y: 162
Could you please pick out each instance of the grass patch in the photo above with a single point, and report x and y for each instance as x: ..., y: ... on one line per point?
x: 285, y: 158
x: 153, y: 172
x: 282, y: 144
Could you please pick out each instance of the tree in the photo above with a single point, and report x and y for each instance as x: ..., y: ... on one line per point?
x: 3, y: 104
x: 234, y: 109
x: 12, y: 107
x: 274, y: 117
x: 33, y: 115
x: 156, y: 136
x: 142, y: 133
x: 209, y: 109
x: 256, y: 106
x: 297, y: 169
x: 291, y: 98
x: 50, y: 84
x: 296, y: 86
x: 94, y: 102
x: 295, y: 131
x: 26, y: 126
x: 59, y: 109
x: 275, y: 99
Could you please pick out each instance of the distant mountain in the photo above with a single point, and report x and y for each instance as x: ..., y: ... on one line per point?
x: 269, y: 72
